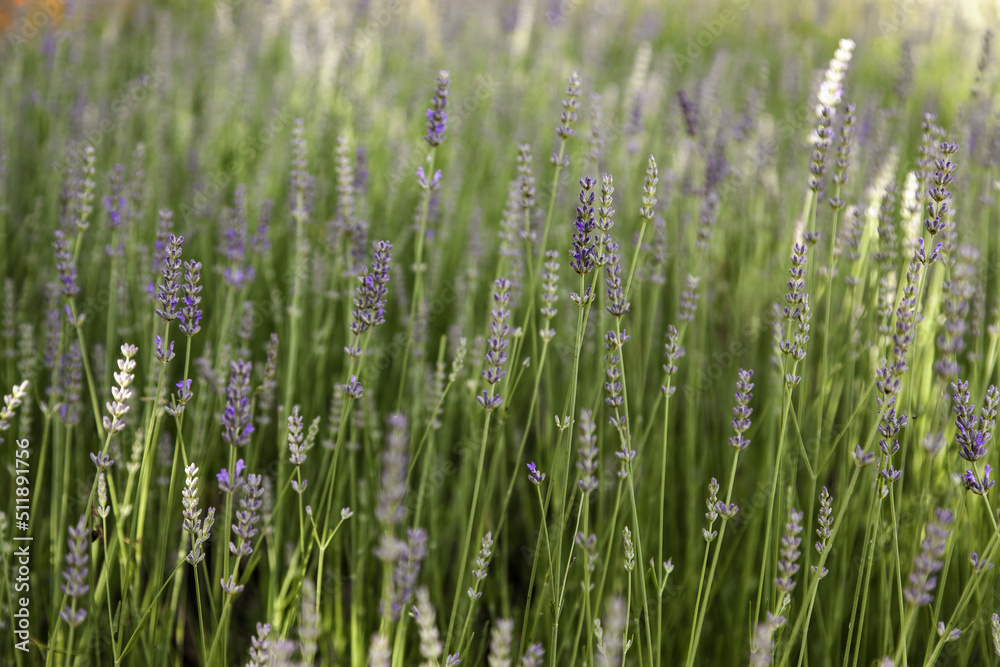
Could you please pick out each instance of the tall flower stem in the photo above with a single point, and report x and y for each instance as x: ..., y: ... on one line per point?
x: 702, y: 603
x: 418, y: 277
x: 467, y: 541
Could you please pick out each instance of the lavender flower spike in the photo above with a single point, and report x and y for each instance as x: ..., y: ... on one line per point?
x: 742, y: 410
x: 437, y: 117
x: 170, y: 269
x: 75, y: 573
x: 390, y: 509
x: 535, y: 475
x: 236, y: 423
x: 370, y: 295
x: 11, y: 402
x: 928, y: 562
x: 496, y: 345
x: 430, y: 639
x: 583, y: 252
x: 199, y: 529
x: 570, y: 105
x: 500, y: 641
x: 65, y: 264
x: 230, y: 482
x: 247, y: 516
x: 190, y: 311
x: 787, y: 567
x: 115, y: 422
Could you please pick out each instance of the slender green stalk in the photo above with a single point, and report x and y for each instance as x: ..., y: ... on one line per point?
x: 467, y: 542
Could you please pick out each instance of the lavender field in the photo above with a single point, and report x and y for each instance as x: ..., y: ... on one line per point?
x: 502, y: 333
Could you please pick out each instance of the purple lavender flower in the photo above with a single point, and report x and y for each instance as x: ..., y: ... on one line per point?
x: 170, y: 269
x: 689, y: 299
x: 534, y: 656
x: 689, y: 112
x: 390, y: 509
x: 353, y: 388
x: 163, y: 355
x: 847, y: 131
x: 190, y: 313
x: 230, y: 482
x: 83, y: 195
x: 260, y: 241
x: 862, y: 458
x: 75, y: 573
x: 164, y: 229
x: 588, y: 452
x: 116, y: 204
x: 525, y: 179
x: 938, y: 194
x: 370, y: 296
x: 974, y: 433
x: 980, y: 487
x: 260, y: 647
x: 236, y: 425
x: 673, y: 351
x: 437, y: 117
x: 787, y: 567
x: 239, y: 273
x: 978, y: 564
x: 247, y: 516
x: 550, y: 294
x: 584, y: 261
x: 101, y: 461
x: 426, y: 185
x: 72, y: 388
x: 535, y: 476
x: 65, y: 264
x: 712, y: 504
x: 928, y: 561
x: 825, y: 530
x: 742, y: 410
x: 407, y: 569
x: 617, y: 305
x: 568, y: 116
x: 613, y: 386
x: 496, y: 345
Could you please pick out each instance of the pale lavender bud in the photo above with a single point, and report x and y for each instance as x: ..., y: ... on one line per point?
x: 390, y: 509
x: 75, y: 574
x: 787, y: 565
x: 928, y: 561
